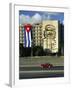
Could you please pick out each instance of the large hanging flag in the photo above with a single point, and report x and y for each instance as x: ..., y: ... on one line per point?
x: 27, y: 35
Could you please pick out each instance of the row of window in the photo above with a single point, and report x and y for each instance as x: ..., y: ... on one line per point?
x: 36, y: 27
x: 37, y: 31
x: 37, y: 42
x: 37, y: 36
x: 34, y: 33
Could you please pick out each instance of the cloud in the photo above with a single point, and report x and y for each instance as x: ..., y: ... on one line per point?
x: 36, y: 18
x: 24, y: 19
x: 27, y: 19
x: 53, y: 13
x: 48, y: 15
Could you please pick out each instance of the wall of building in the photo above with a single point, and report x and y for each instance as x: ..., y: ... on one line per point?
x: 37, y: 34
x: 51, y: 41
x: 45, y: 34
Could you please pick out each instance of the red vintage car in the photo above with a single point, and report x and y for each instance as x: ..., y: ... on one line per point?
x: 46, y: 65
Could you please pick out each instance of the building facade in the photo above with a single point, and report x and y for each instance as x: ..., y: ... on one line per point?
x: 45, y: 34
x: 37, y: 35
x: 21, y: 34
x: 51, y: 35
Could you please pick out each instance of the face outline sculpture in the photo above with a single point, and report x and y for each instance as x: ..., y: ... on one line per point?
x: 50, y: 31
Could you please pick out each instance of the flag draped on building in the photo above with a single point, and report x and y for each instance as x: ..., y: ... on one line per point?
x: 27, y: 35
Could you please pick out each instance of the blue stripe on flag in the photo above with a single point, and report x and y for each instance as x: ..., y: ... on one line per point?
x: 30, y: 37
x: 28, y: 40
x: 24, y: 38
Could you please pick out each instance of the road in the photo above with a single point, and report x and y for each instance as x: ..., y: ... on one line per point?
x: 30, y: 67
x: 40, y: 68
x: 56, y: 61
x: 41, y: 74
x: 38, y: 72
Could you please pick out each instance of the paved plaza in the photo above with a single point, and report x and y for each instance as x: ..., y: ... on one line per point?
x: 37, y: 60
x: 30, y: 67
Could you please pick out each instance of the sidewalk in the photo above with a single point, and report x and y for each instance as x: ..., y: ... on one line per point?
x: 36, y: 61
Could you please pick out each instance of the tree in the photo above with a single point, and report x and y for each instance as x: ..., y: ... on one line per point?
x: 37, y: 51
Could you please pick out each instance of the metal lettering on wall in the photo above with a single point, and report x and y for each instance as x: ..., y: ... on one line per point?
x: 50, y: 37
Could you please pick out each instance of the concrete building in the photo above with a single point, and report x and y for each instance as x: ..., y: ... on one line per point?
x: 51, y: 35
x: 37, y: 35
x: 45, y: 34
x: 21, y: 34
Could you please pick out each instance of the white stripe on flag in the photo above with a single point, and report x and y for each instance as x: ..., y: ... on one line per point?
x: 26, y: 39
x: 30, y: 38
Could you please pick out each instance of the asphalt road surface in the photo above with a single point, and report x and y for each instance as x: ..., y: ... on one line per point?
x: 40, y: 74
x: 39, y: 68
x: 29, y: 67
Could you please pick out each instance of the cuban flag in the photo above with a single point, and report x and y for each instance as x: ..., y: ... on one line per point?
x: 27, y: 35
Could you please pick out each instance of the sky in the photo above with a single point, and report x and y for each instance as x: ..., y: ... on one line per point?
x: 33, y: 17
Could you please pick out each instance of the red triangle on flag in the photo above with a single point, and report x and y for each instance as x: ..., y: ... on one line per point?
x: 27, y: 27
